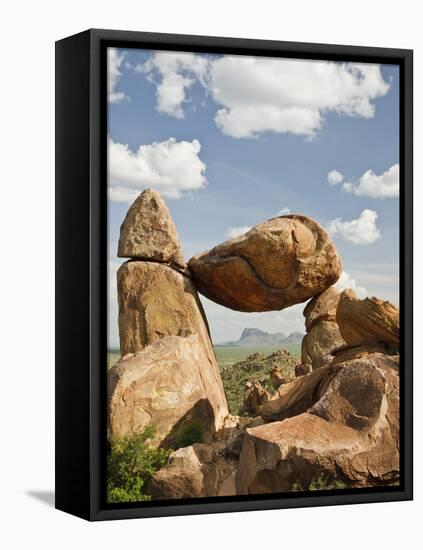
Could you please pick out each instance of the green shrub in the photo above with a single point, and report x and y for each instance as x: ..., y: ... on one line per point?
x: 189, y: 434
x: 324, y: 483
x: 321, y: 483
x: 131, y: 462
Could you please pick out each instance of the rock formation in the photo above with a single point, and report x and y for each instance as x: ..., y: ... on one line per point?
x: 334, y: 417
x: 148, y: 231
x: 323, y: 335
x: 170, y: 384
x: 278, y: 263
x: 155, y: 301
x: 339, y: 423
x: 367, y: 321
x: 168, y: 375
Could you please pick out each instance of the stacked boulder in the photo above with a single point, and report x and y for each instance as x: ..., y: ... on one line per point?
x: 168, y: 375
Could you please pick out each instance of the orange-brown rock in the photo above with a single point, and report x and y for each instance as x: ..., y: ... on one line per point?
x: 321, y: 307
x: 171, y: 385
x: 347, y: 429
x: 148, y: 231
x: 368, y: 320
x: 254, y: 396
x: 195, y: 471
x: 278, y: 263
x: 323, y: 335
x: 155, y: 301
x: 298, y: 395
x: 175, y: 379
x: 319, y: 343
x: 277, y: 377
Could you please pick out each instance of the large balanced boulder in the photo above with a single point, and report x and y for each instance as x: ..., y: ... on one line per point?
x: 323, y: 335
x: 171, y: 385
x: 276, y: 264
x: 345, y: 431
x: 366, y: 321
x: 148, y: 231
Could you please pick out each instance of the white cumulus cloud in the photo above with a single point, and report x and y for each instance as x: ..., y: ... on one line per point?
x: 173, y: 73
x: 237, y: 231
x: 377, y: 187
x: 258, y: 94
x: 362, y: 230
x: 114, y: 62
x: 284, y: 211
x: 346, y: 281
x: 172, y: 167
x: 285, y: 95
x: 335, y: 177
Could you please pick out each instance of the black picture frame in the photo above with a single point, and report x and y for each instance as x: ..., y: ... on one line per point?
x: 81, y: 285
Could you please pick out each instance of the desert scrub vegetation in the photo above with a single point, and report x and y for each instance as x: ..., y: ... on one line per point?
x: 255, y: 368
x: 130, y: 464
x: 321, y: 483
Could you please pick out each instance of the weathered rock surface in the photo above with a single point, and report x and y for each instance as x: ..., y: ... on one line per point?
x: 277, y: 377
x: 254, y: 396
x: 278, y: 263
x: 148, y: 231
x: 368, y: 320
x: 194, y: 471
x: 171, y: 384
x: 302, y: 369
x: 347, y: 429
x: 297, y: 396
x: 323, y: 335
x: 321, y: 308
x: 156, y: 301
x: 318, y: 344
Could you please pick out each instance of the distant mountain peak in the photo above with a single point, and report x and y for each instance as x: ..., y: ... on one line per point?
x: 256, y: 337
x: 247, y: 332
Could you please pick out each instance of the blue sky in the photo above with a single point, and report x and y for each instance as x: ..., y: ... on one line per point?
x: 251, y: 137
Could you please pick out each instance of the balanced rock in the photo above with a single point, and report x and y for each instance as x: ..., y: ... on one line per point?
x: 278, y: 263
x: 368, y: 320
x: 323, y: 335
x: 148, y: 231
x: 195, y: 471
x: 172, y: 385
x: 345, y: 428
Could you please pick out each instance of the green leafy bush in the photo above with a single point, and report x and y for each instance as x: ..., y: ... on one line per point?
x: 189, y: 434
x: 131, y: 462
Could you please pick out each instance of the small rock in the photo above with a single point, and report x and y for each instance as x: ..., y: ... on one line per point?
x: 148, y: 231
x: 254, y: 396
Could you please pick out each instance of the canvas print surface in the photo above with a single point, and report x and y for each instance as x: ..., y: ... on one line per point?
x: 253, y: 294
